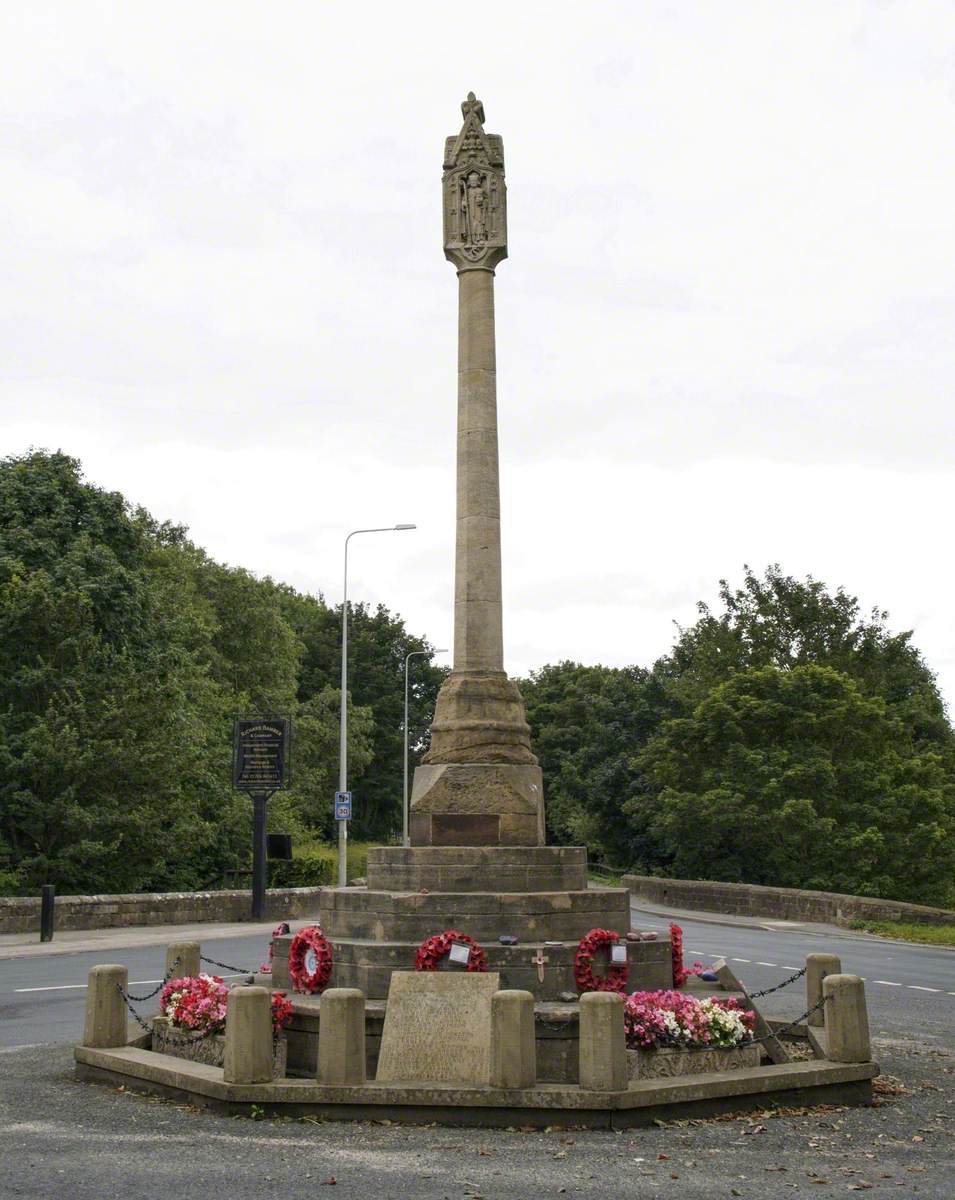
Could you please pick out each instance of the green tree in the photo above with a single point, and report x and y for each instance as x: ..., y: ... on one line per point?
x: 793, y: 776
x: 779, y: 621
x: 588, y: 725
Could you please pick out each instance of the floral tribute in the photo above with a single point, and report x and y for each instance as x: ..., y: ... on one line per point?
x: 433, y: 949
x: 590, y: 944
x: 680, y: 973
x: 197, y: 1004
x: 654, y: 1020
x: 310, y: 960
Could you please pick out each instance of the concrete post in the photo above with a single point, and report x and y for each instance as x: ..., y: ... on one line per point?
x: 513, y: 1046
x: 248, y: 1036
x: 105, y: 1023
x: 603, y: 1050
x: 847, y: 1022
x: 818, y: 966
x: 182, y: 959
x: 341, y: 1038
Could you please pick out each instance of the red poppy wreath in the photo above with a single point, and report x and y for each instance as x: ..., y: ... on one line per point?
x: 310, y: 960
x: 616, y: 978
x: 433, y: 949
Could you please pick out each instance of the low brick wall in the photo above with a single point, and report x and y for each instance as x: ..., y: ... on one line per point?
x: 21, y: 914
x: 784, y: 904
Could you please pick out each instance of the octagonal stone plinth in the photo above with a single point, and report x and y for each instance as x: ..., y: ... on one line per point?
x: 477, y: 868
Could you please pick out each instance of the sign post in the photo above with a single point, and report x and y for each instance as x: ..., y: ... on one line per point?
x: 260, y: 766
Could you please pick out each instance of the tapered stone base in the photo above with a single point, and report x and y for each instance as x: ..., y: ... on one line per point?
x: 477, y: 804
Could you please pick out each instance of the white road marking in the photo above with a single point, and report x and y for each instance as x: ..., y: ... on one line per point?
x: 917, y: 988
x: 745, y: 960
x: 886, y: 982
x: 69, y: 987
x: 762, y: 964
x: 783, y: 967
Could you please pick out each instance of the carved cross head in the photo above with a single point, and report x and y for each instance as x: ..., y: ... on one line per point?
x: 475, y: 208
x: 472, y: 106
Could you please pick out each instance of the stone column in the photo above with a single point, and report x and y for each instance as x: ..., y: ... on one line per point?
x: 248, y: 1036
x: 182, y: 960
x: 479, y: 784
x: 603, y: 1047
x: 847, y: 1021
x: 818, y: 966
x: 513, y: 1045
x: 105, y: 1023
x: 341, y: 1038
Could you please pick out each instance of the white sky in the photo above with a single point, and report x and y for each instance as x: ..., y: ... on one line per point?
x: 726, y: 332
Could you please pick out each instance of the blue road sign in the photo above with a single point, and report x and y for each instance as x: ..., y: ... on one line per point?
x: 343, y: 806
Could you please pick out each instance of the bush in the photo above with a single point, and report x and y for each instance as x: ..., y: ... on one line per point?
x: 315, y: 864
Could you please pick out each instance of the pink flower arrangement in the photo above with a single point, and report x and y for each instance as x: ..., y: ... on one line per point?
x: 197, y: 1003
x: 671, y: 1018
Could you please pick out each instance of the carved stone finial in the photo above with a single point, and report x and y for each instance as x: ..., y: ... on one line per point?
x: 472, y: 106
x: 475, y: 209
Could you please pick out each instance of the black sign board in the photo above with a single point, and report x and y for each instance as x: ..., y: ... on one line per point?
x: 260, y: 760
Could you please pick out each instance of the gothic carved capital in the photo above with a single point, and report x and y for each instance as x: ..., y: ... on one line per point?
x: 475, y: 196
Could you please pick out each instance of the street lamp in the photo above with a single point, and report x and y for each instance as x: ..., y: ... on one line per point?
x: 343, y: 725
x: 405, y: 840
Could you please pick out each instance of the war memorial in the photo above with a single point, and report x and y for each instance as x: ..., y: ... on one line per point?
x: 476, y: 977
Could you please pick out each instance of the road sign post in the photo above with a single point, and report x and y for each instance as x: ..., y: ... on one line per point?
x: 261, y: 765
x: 343, y: 806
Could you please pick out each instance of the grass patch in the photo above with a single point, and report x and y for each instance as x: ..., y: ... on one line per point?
x: 929, y: 935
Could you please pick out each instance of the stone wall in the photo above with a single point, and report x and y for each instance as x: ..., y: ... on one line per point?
x: 21, y: 914
x: 784, y: 904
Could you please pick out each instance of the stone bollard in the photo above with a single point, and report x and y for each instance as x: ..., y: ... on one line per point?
x: 847, y: 1023
x: 513, y: 1047
x: 182, y: 959
x: 248, y: 1036
x: 818, y: 966
x: 341, y: 1038
x: 603, y: 1050
x: 106, y: 1010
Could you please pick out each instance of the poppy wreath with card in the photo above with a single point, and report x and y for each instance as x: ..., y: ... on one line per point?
x: 616, y: 978
x: 310, y: 960
x: 433, y: 949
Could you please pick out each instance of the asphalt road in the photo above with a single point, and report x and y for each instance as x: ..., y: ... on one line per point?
x: 909, y: 988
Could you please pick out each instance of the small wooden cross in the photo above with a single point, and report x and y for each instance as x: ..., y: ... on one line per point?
x: 539, y: 961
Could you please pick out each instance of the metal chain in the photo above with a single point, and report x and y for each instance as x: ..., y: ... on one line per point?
x: 162, y: 983
x: 135, y: 1015
x: 226, y: 966
x: 785, y: 983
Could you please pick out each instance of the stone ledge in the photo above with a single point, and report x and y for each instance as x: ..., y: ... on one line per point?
x: 642, y: 1102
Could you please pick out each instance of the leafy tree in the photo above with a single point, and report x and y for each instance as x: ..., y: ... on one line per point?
x: 588, y: 725
x: 779, y: 621
x: 795, y: 777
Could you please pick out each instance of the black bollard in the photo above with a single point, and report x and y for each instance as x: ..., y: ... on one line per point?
x: 47, y: 893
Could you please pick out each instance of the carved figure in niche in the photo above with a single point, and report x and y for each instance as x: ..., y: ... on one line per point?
x: 474, y: 209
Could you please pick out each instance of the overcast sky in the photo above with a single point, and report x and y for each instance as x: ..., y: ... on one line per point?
x: 726, y: 331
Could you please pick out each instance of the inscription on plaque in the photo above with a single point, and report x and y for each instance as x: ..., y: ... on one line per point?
x: 260, y: 758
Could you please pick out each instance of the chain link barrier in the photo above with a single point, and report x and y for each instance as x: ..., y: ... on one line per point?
x: 170, y: 974
x: 226, y: 966
x: 785, y: 983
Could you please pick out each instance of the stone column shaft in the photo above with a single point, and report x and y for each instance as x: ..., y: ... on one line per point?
x: 478, y: 636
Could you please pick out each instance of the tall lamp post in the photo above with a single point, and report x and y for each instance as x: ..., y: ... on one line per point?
x: 405, y: 840
x: 343, y: 724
